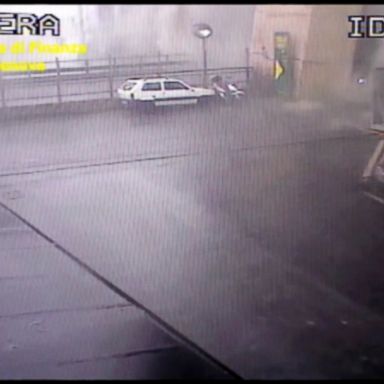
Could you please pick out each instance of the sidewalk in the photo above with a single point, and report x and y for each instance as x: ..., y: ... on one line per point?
x: 57, y: 321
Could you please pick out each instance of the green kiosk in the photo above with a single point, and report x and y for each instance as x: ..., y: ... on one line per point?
x: 282, y: 68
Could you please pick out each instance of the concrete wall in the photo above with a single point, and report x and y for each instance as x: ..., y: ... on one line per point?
x: 268, y: 19
x: 322, y: 50
x: 328, y: 61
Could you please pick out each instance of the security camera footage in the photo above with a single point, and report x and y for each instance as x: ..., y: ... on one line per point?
x: 191, y: 191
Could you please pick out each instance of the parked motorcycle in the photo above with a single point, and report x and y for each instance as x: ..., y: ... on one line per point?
x: 227, y: 92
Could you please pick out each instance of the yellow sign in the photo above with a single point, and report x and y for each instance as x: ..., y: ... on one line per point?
x: 37, y: 47
x: 22, y: 66
x: 281, y: 41
x: 279, y: 70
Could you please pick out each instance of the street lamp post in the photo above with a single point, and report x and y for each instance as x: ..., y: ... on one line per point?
x: 205, y: 63
x: 203, y: 31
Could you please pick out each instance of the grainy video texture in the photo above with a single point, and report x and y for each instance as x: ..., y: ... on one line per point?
x: 191, y: 191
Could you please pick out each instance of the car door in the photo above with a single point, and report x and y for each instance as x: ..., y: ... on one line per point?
x: 176, y: 92
x: 151, y: 91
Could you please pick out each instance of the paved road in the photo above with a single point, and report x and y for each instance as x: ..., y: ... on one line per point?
x: 59, y: 322
x: 121, y: 135
x: 243, y: 228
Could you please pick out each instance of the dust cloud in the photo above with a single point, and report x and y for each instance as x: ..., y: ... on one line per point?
x: 149, y: 29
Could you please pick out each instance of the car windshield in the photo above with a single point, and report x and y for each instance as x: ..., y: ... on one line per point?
x: 127, y: 86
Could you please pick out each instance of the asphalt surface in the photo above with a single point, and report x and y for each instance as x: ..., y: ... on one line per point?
x: 59, y: 322
x: 243, y: 227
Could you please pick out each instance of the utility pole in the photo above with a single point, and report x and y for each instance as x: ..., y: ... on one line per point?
x: 205, y: 63
x: 203, y: 31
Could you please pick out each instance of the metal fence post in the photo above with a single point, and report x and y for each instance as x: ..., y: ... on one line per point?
x: 140, y: 63
x: 248, y: 65
x: 159, y: 61
x: 110, y: 76
x: 87, y: 66
x: 205, y: 63
x: 58, y: 80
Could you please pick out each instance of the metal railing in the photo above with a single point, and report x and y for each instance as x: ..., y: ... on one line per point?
x: 98, y: 79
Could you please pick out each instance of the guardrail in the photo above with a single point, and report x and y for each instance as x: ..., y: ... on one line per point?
x: 88, y: 65
x: 92, y: 82
x: 28, y: 88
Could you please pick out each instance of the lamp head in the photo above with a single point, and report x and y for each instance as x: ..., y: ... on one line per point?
x: 202, y: 30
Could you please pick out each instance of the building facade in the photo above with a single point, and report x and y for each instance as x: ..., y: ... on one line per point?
x: 321, y: 54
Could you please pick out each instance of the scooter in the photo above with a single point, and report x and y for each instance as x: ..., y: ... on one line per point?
x: 226, y: 91
x: 235, y: 92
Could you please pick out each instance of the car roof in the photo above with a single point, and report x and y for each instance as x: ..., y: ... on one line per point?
x: 152, y: 79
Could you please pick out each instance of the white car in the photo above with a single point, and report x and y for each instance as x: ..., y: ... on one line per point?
x: 161, y: 92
